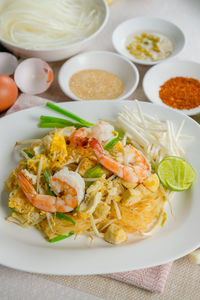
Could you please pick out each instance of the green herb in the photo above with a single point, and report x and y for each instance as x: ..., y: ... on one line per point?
x: 68, y: 114
x: 153, y: 167
x: 94, y: 172
x: 60, y: 237
x: 63, y: 216
x: 77, y: 208
x: 12, y: 209
x: 111, y: 144
x: 114, y: 178
x: 47, y: 176
x: 120, y: 134
x: 48, y: 120
x: 114, y: 141
x: 28, y: 153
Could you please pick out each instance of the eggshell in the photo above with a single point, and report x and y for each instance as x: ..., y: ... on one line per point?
x: 8, y: 92
x: 8, y: 63
x: 33, y: 76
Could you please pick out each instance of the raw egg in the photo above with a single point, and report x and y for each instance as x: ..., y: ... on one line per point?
x: 8, y: 63
x: 8, y: 92
x: 33, y: 76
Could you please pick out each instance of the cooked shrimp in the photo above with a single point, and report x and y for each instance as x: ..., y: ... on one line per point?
x: 102, y: 131
x: 67, y: 185
x: 138, y: 167
x: 79, y: 137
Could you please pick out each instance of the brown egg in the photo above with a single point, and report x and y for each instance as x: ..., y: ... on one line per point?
x: 8, y: 92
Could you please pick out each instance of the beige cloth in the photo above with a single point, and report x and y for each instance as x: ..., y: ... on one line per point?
x: 183, y: 283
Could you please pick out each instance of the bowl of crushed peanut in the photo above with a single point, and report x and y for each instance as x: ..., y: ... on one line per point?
x: 98, y: 75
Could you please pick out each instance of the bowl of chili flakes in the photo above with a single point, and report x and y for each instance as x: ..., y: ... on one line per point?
x: 175, y: 84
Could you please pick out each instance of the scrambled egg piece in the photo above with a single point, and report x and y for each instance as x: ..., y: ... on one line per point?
x: 24, y: 213
x: 11, y: 182
x: 152, y: 183
x: 32, y: 163
x: 58, y: 150
x: 19, y: 202
x: 115, y: 234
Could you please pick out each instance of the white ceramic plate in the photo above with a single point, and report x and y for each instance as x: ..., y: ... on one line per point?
x: 159, y: 74
x: 101, y: 60
x: 26, y: 249
x: 137, y: 25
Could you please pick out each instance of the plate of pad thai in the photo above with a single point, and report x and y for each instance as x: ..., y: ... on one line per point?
x: 98, y: 187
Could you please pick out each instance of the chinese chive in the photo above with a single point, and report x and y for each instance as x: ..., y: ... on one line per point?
x: 60, y: 237
x: 111, y: 144
x: 28, y: 153
x: 68, y: 114
x: 63, y: 216
x: 77, y: 208
x: 94, y: 172
x: 47, y: 176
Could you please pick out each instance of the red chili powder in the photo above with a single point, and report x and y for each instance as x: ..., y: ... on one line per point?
x: 181, y: 92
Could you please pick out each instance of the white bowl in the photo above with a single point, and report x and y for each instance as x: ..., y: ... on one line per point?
x: 56, y: 54
x: 159, y: 74
x: 102, y: 60
x: 145, y: 24
x: 8, y: 63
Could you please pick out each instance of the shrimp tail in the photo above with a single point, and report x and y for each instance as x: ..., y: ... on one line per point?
x: 26, y: 186
x: 133, y: 173
x: 97, y: 147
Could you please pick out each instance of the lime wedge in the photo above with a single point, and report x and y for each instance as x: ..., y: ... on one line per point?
x: 175, y: 173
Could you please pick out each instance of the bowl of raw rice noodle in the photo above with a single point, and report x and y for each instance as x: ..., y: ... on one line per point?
x: 48, y: 29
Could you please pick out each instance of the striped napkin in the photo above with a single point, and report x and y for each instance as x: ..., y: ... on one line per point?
x: 152, y: 279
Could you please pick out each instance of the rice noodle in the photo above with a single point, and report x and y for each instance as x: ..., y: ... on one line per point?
x: 49, y: 219
x: 26, y: 142
x: 97, y: 233
x: 36, y: 24
x: 39, y: 174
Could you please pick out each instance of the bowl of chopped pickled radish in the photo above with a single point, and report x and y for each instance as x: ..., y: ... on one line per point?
x: 30, y: 30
